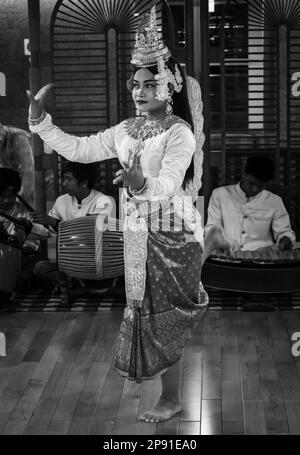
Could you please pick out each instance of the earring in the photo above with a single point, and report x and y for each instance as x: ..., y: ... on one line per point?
x: 169, y: 108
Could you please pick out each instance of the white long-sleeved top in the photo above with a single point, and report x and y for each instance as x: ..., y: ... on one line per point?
x: 164, y: 159
x: 251, y: 222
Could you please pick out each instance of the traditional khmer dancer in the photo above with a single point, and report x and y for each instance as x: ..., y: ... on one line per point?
x: 161, y: 156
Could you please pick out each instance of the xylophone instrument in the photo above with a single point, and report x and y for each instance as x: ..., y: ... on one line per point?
x: 263, y: 256
x: 268, y: 270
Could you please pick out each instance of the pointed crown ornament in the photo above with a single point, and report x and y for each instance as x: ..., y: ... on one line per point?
x: 148, y: 44
x: 150, y: 50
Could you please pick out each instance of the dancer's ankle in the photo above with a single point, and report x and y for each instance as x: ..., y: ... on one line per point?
x: 174, y: 399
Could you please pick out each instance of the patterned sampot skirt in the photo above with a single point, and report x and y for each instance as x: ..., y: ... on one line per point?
x: 152, y: 338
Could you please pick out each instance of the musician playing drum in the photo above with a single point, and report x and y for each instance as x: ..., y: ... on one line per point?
x: 161, y: 173
x: 250, y: 215
x: 80, y: 199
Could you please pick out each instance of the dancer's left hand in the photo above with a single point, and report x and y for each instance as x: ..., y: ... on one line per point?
x: 131, y: 175
x: 37, y: 102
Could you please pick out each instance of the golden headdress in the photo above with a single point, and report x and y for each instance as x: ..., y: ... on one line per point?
x: 150, y: 50
x: 149, y: 46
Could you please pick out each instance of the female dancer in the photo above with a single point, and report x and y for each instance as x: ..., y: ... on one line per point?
x: 163, y: 236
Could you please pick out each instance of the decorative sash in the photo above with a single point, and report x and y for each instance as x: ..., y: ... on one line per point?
x: 137, y: 217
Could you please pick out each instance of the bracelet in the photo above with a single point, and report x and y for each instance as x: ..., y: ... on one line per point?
x: 44, y: 125
x: 36, y: 121
x: 141, y: 190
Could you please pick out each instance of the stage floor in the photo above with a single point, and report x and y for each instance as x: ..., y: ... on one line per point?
x: 42, y: 300
x: 239, y: 377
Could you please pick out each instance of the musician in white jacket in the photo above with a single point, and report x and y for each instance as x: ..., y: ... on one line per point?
x: 80, y: 199
x: 250, y: 215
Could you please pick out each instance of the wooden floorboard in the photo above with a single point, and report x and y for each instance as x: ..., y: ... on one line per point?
x: 239, y: 377
x: 211, y: 417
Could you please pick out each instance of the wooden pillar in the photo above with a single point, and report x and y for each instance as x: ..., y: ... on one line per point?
x: 283, y: 105
x: 112, y: 78
x: 201, y: 40
x: 189, y: 37
x: 35, y: 85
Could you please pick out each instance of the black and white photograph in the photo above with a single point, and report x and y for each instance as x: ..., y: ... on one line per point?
x: 149, y: 221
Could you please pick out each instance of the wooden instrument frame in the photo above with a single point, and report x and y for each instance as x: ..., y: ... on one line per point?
x: 250, y: 277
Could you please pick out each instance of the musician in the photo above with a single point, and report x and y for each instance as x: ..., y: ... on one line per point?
x: 25, y: 235
x: 80, y: 199
x: 250, y: 215
x: 16, y: 153
x: 10, y: 185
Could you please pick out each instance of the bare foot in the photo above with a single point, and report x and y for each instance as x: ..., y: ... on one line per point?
x: 162, y: 411
x: 216, y: 240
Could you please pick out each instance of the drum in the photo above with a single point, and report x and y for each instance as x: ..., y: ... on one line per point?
x: 261, y: 271
x: 10, y: 267
x: 89, y: 248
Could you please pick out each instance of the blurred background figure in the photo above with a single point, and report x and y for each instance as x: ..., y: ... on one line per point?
x: 18, y: 229
x: 16, y: 153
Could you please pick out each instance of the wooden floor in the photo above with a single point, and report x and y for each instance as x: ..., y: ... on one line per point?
x: 239, y: 377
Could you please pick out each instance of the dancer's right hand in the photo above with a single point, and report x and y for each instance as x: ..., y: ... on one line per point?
x: 37, y: 102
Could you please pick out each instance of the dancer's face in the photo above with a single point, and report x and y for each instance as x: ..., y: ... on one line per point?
x: 144, y: 92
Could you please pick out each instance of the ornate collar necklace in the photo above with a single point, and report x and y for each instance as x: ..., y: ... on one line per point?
x: 141, y: 128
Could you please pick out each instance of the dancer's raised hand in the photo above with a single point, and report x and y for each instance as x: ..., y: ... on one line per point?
x: 134, y: 173
x: 37, y: 102
x: 131, y: 175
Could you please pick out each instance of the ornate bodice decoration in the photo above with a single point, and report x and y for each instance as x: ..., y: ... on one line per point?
x: 141, y: 129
